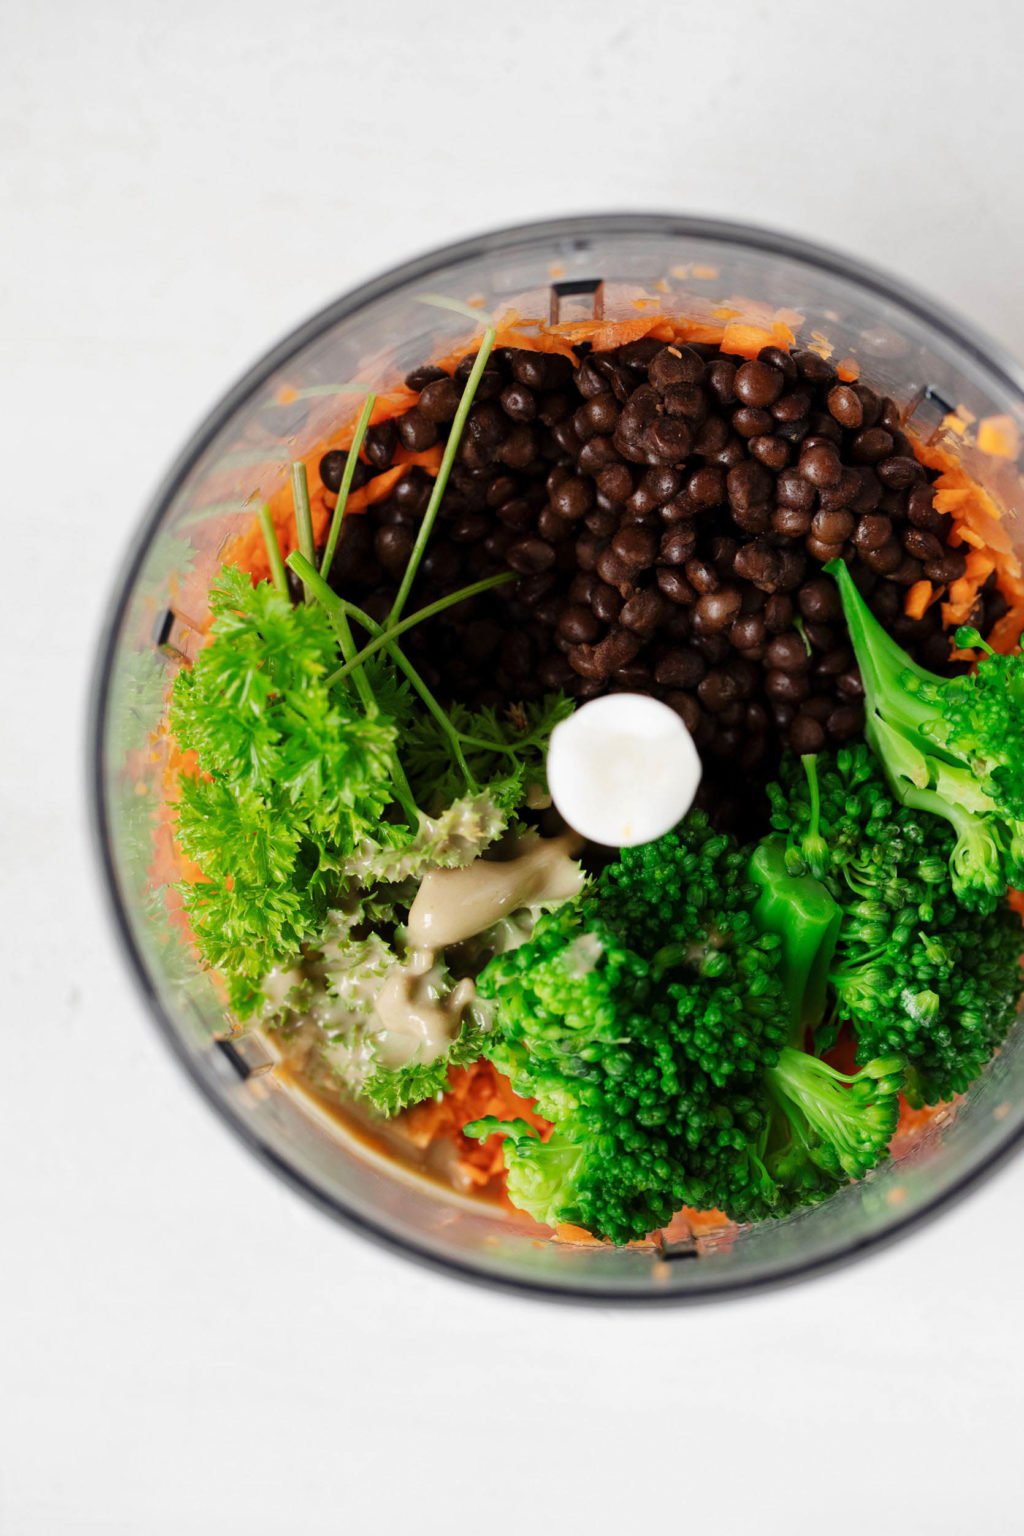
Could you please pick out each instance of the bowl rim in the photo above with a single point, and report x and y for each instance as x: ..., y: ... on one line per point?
x: 985, y: 352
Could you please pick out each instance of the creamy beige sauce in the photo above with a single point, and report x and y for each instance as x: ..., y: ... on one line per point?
x: 278, y: 983
x: 452, y: 905
x: 417, y: 1022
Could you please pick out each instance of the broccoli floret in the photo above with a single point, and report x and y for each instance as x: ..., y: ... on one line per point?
x: 824, y: 1127
x: 953, y: 747
x: 914, y: 971
x: 654, y: 1019
x: 640, y: 1017
x: 829, y: 1122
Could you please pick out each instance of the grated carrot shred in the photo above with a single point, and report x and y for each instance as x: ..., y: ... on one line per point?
x: 746, y: 340
x: 979, y: 524
x: 473, y: 1091
x: 918, y: 597
x: 999, y: 436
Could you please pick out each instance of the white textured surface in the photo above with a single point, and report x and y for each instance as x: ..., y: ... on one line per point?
x: 184, y: 1346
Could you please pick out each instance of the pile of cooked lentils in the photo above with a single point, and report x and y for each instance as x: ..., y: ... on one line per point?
x: 667, y: 511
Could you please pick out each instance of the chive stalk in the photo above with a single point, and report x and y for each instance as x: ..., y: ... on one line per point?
x: 392, y: 632
x: 340, y: 611
x: 346, y: 484
x: 440, y: 484
x: 274, y: 559
x: 303, y: 516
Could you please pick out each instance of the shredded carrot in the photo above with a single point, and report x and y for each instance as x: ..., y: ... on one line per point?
x: 918, y: 597
x: 848, y: 369
x: 427, y: 458
x: 381, y: 486
x: 603, y: 335
x: 999, y: 436
x: 962, y: 534
x: 739, y: 337
x: 914, y: 1121
x: 473, y: 1092
x: 951, y: 500
x: 791, y: 317
x: 961, y: 591
x: 248, y: 551
x: 565, y: 1232
x: 979, y: 567
x: 979, y: 524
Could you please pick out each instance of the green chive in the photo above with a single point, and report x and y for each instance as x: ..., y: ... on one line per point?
x: 269, y: 532
x: 392, y: 633
x: 303, y: 515
x: 346, y: 483
x: 440, y: 484
x: 339, y: 611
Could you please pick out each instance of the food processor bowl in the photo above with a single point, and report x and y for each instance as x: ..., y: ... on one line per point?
x: 605, y: 266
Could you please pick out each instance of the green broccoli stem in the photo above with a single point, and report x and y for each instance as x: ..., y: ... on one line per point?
x: 813, y: 845
x: 441, y: 483
x: 800, y: 911
x: 841, y: 1122
x: 882, y: 662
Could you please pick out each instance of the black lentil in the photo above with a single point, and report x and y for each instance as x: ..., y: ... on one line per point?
x: 665, y: 510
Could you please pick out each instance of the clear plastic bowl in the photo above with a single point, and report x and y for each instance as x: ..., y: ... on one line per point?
x: 619, y: 265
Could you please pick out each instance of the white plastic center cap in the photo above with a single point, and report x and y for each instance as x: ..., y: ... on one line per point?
x: 623, y: 769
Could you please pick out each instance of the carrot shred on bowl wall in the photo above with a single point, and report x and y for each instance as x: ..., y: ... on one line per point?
x: 978, y: 523
x: 999, y: 436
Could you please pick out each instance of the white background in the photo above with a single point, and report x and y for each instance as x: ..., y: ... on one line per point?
x: 184, y: 1346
